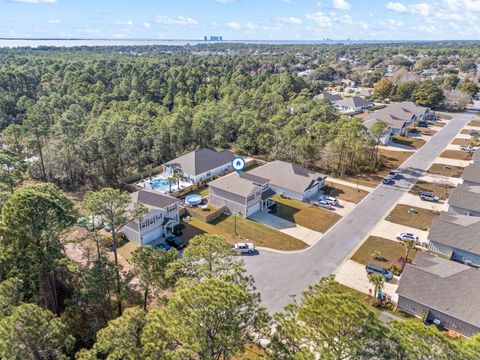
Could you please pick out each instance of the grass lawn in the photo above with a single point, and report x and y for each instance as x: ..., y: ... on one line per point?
x: 474, y: 123
x: 445, y: 116
x: 422, y: 219
x: 426, y: 131
x: 438, y: 124
x: 446, y: 170
x: 440, y: 190
x: 390, y: 252
x: 391, y: 160
x: 413, y: 142
x: 305, y: 214
x: 456, y: 154
x: 127, y: 249
x: 345, y: 193
x: 462, y: 141
x: 257, y: 233
x: 466, y: 131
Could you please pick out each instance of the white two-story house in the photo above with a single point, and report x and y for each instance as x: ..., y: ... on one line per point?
x: 201, y: 165
x: 161, y: 218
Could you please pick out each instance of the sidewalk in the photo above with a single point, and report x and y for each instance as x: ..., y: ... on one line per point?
x: 350, y: 184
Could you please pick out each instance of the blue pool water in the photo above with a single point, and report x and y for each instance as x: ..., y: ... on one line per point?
x: 160, y: 184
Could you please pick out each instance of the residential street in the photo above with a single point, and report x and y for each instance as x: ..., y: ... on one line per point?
x: 277, y: 276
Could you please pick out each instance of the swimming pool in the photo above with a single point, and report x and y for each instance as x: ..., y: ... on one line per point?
x: 193, y: 200
x: 159, y: 183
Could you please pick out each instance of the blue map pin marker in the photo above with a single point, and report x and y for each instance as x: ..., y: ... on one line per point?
x: 238, y: 164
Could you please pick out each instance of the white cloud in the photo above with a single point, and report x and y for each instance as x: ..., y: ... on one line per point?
x: 472, y: 5
x: 234, y: 26
x: 35, y: 1
x: 179, y: 20
x: 288, y: 1
x: 321, y: 19
x: 394, y: 24
x: 397, y: 6
x: 346, y: 19
x: 363, y: 25
x: 427, y: 28
x: 128, y: 23
x: 341, y: 4
x: 422, y: 8
x: 454, y: 25
x: 251, y: 26
x: 291, y: 20
x: 147, y: 25
x: 54, y: 21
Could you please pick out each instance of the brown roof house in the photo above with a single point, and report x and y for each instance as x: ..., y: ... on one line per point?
x: 161, y: 218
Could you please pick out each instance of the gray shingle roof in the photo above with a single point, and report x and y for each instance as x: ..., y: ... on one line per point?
x: 476, y: 155
x: 353, y: 102
x: 328, y: 96
x: 446, y: 286
x: 472, y: 173
x: 288, y: 176
x: 240, y: 184
x: 151, y: 198
x: 456, y: 231
x: 396, y: 115
x: 465, y: 197
x: 200, y: 161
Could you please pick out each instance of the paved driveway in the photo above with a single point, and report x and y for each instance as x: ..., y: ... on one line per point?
x: 277, y: 276
x: 389, y: 230
x: 353, y: 275
x: 287, y: 227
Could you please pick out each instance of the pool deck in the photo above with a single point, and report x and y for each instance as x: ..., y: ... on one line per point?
x: 164, y: 189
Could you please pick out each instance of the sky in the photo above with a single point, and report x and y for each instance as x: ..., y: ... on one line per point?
x: 242, y: 19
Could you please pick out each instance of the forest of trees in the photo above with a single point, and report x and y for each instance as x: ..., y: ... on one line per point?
x: 82, y: 119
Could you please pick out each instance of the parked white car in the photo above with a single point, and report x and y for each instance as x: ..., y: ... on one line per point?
x: 330, y: 199
x: 407, y: 236
x: 244, y: 248
x: 323, y: 204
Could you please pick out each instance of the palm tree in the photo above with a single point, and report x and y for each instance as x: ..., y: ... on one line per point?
x: 171, y: 180
x: 178, y: 176
x: 377, y: 281
x: 408, y: 244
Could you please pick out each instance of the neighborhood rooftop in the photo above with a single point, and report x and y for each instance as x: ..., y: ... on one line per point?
x: 456, y: 231
x: 353, y: 102
x: 446, y: 286
x: 288, y: 176
x: 200, y: 161
x: 396, y: 115
x: 239, y: 183
x: 465, y: 197
x: 476, y: 156
x: 151, y: 198
x: 328, y: 96
x: 471, y: 173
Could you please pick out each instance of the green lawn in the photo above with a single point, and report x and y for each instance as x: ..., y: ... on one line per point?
x: 306, y: 215
x: 257, y: 233
x: 390, y: 252
x: 413, y: 142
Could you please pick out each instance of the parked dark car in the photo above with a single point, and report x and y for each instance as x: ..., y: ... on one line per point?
x: 378, y: 269
x: 176, y: 242
x: 163, y: 246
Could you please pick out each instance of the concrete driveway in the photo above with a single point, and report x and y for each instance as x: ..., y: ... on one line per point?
x: 440, y: 179
x: 389, y: 230
x: 278, y: 276
x: 452, y: 162
x: 353, y: 275
x: 308, y: 236
x: 415, y: 201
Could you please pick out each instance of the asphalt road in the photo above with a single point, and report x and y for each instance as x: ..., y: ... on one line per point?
x: 279, y: 276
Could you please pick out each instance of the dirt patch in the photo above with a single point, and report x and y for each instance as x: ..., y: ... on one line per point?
x: 438, y: 124
x: 390, y: 252
x: 460, y: 141
x: 419, y: 218
x: 446, y: 170
x: 445, y: 116
x: 345, y: 193
x: 426, y: 131
x: 413, y: 142
x: 440, y: 190
x: 474, y: 123
x: 456, y: 154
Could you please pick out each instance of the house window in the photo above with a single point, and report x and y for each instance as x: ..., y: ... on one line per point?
x: 250, y: 198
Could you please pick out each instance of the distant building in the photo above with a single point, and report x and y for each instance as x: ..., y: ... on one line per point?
x: 213, y: 38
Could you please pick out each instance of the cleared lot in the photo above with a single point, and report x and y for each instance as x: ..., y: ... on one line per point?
x: 259, y: 234
x: 440, y: 190
x: 462, y: 141
x: 418, y: 219
x: 305, y: 214
x: 390, y: 252
x: 456, y: 154
x: 446, y: 170
x: 475, y: 123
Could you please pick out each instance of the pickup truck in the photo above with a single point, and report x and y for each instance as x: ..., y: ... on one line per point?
x: 244, y: 248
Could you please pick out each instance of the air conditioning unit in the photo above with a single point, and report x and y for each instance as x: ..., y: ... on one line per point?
x: 436, y: 322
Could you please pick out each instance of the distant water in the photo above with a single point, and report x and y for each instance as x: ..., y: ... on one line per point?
x: 11, y: 43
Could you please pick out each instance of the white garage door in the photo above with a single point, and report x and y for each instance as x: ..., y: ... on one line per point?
x: 253, y: 209
x: 153, y: 235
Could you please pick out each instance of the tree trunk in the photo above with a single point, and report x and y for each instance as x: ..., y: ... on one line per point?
x: 42, y: 164
x: 117, y: 273
x: 145, y: 298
